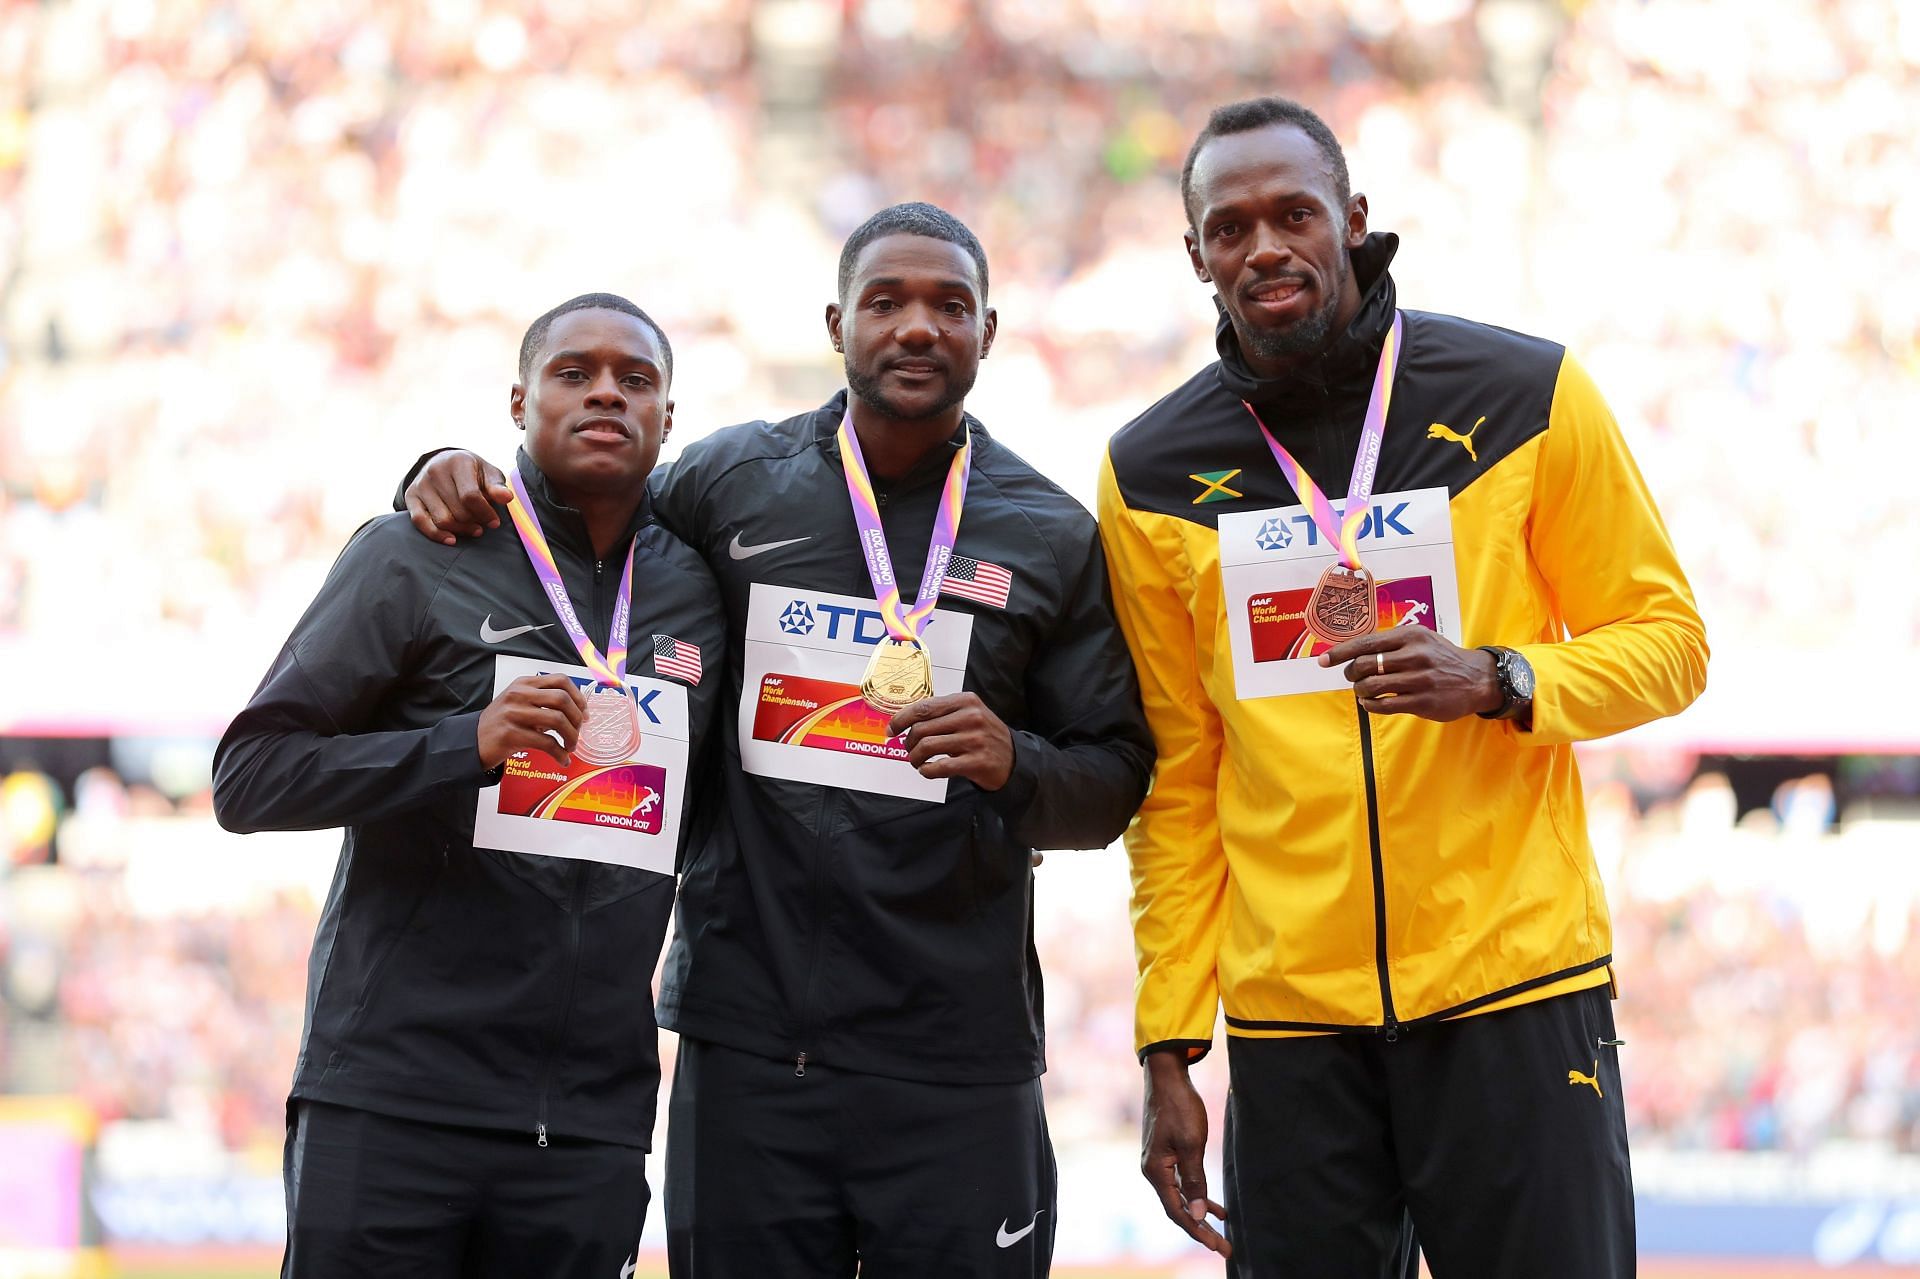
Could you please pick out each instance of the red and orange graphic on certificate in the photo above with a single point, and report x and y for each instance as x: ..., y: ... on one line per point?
x: 624, y: 796
x: 824, y: 715
x: 627, y: 813
x: 1277, y: 619
x: 1270, y: 560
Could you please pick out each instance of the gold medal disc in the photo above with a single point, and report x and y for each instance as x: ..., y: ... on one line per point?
x: 610, y: 733
x: 898, y: 675
x: 1343, y: 605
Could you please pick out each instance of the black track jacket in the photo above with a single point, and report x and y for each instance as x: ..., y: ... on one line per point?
x: 450, y: 983
x: 877, y: 934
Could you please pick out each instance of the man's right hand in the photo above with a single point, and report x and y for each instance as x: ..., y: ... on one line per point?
x: 1173, y: 1147
x: 528, y: 714
x: 454, y: 495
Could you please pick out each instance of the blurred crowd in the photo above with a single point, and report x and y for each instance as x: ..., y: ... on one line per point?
x: 1766, y: 969
x: 255, y: 256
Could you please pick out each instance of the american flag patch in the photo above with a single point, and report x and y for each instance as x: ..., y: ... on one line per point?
x: 977, y: 580
x: 671, y: 657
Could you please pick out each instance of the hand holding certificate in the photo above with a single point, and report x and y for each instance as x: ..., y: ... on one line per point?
x: 956, y: 736
x: 1411, y: 670
x: 534, y: 713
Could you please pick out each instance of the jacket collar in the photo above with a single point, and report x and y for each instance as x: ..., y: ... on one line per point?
x: 563, y: 524
x: 1354, y: 353
x: 826, y: 423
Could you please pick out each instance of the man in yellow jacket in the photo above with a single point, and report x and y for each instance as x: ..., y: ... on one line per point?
x: 1365, y: 837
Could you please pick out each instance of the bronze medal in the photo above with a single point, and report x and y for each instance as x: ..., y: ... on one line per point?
x: 898, y: 675
x: 610, y: 733
x: 1343, y: 605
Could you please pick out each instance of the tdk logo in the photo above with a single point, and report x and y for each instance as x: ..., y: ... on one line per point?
x: 1381, y: 521
x: 859, y: 625
x: 797, y: 618
x: 644, y: 701
x: 1274, y: 535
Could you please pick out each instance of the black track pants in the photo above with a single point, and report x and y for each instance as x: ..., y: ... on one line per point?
x: 370, y: 1196
x: 774, y: 1173
x: 1499, y: 1140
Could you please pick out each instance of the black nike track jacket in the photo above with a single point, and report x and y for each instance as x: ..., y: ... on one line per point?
x: 879, y: 934
x: 451, y: 983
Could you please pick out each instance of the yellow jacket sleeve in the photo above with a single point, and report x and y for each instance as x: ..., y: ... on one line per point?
x: 1173, y: 845
x: 1636, y: 648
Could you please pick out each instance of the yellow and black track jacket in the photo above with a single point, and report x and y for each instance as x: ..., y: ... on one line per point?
x: 1315, y: 868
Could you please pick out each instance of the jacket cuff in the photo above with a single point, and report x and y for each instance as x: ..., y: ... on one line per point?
x: 1194, y: 1049
x: 1546, y: 722
x: 1012, y: 800
x: 453, y: 752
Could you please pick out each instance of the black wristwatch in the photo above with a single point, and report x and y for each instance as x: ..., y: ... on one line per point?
x: 1514, y: 674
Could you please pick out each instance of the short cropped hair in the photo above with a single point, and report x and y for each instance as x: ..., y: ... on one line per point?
x: 1258, y: 113
x: 537, y: 331
x: 915, y: 218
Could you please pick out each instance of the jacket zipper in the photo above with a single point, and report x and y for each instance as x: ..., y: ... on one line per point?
x: 573, y: 957
x: 1391, y: 1023
x: 816, y: 874
x: 566, y: 1006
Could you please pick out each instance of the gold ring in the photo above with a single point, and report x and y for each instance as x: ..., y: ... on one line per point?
x: 1379, y: 663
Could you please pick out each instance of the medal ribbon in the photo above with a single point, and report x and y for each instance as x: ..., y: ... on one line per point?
x: 903, y: 624
x: 611, y: 669
x: 1344, y: 531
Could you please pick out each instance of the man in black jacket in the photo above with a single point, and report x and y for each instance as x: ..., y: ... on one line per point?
x: 476, y: 1083
x: 853, y: 977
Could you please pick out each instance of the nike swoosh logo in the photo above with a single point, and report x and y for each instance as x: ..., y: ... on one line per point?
x: 1006, y: 1240
x: 490, y: 636
x: 739, y: 551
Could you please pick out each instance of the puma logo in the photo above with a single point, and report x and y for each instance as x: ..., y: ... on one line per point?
x: 1574, y: 1077
x: 1441, y: 431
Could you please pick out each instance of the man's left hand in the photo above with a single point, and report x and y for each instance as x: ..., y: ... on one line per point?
x: 957, y: 736
x: 1410, y: 670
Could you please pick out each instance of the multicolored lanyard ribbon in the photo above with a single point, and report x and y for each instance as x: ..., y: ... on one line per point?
x: 610, y: 670
x: 1344, y: 530
x: 903, y: 624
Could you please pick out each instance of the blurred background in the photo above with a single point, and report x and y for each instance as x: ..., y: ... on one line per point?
x: 255, y: 255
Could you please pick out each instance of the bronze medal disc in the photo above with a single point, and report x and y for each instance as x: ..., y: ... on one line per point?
x: 610, y: 733
x: 1343, y: 606
x: 898, y: 675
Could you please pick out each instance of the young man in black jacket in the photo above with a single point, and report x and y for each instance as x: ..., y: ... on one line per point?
x: 853, y: 978
x: 477, y: 1078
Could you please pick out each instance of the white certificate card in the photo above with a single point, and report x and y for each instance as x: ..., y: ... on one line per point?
x: 1270, y: 560
x: 625, y: 814
x: 802, y: 718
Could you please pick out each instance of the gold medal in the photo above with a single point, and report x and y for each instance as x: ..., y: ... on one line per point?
x: 1343, y: 605
x: 898, y: 675
x: 610, y: 733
